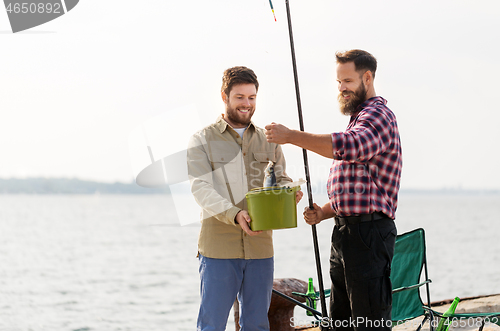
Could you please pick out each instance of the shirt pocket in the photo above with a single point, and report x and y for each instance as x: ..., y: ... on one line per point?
x: 225, y: 167
x: 258, y: 165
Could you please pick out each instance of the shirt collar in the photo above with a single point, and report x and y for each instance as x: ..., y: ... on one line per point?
x: 372, y: 101
x: 368, y: 103
x: 222, y: 124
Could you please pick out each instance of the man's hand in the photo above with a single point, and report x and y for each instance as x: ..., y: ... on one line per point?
x: 317, y: 143
x: 298, y: 196
x: 277, y: 133
x: 313, y: 216
x: 243, y: 220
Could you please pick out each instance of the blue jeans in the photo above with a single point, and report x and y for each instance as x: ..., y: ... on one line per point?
x: 224, y: 279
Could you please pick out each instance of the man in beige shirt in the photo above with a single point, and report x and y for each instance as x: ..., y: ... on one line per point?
x: 226, y: 160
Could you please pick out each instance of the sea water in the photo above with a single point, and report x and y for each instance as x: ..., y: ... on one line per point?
x: 122, y: 262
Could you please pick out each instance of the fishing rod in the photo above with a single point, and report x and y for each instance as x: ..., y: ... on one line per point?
x: 306, y: 167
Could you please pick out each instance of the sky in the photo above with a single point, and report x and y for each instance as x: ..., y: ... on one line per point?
x: 74, y: 90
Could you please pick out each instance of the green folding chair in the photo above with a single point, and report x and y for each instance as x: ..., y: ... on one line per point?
x: 406, y: 275
x: 407, y: 265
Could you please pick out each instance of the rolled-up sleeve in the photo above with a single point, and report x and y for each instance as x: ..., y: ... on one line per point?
x: 371, y: 135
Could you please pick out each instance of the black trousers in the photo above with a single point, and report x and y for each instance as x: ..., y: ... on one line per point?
x: 360, y: 266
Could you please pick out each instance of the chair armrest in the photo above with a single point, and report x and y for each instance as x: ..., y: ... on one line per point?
x: 396, y: 290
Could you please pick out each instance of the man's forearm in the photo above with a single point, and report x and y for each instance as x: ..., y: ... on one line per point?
x: 328, y: 211
x: 317, y: 143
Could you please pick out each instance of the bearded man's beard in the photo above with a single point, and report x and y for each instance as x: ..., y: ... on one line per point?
x: 349, y: 106
x: 237, y: 118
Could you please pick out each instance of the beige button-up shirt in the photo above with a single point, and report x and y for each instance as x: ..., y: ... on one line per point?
x: 222, y: 168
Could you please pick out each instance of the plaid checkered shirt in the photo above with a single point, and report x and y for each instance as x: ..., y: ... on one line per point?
x: 366, y: 171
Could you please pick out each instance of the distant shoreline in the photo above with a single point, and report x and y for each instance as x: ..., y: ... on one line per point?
x: 42, y: 185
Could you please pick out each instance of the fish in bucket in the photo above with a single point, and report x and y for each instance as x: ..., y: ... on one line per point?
x: 273, y: 207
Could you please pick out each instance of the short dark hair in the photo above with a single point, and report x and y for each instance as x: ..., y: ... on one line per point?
x: 238, y: 75
x: 363, y: 61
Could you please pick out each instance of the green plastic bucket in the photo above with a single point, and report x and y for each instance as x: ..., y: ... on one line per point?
x: 272, y: 208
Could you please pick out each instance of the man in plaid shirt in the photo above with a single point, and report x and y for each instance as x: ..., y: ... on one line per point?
x: 363, y: 190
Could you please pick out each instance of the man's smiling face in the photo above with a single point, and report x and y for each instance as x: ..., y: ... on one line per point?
x: 240, y: 105
x: 351, y: 87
